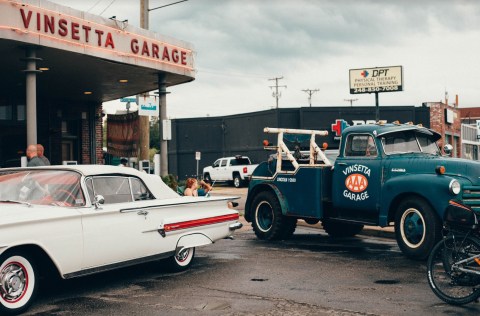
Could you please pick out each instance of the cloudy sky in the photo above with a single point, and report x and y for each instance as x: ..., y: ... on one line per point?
x: 312, y: 44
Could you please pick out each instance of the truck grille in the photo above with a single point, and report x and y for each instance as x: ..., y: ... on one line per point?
x: 471, y: 197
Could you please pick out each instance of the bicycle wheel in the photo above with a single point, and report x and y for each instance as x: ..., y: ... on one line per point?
x: 446, y: 281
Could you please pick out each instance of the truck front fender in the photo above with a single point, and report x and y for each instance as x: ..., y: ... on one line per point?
x: 256, y: 188
x: 433, y: 188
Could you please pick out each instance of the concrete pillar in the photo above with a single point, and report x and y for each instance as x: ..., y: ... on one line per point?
x: 31, y: 94
x: 162, y: 93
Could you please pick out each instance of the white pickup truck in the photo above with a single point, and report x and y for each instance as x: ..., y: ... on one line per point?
x: 236, y: 170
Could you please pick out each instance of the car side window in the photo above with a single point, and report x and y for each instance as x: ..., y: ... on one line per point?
x: 216, y: 164
x: 223, y: 163
x: 115, y: 189
x: 140, y: 191
x: 89, y: 184
x: 360, y: 146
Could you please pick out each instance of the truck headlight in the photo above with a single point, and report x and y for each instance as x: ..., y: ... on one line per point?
x: 454, y: 187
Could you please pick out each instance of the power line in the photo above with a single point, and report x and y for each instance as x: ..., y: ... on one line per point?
x: 230, y: 74
x: 277, y: 94
x: 93, y: 6
x: 166, y: 5
x: 108, y: 6
x: 310, y: 92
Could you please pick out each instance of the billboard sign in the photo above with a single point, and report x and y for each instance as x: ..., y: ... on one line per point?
x: 374, y: 80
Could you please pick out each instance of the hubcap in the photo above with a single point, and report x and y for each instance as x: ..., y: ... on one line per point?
x: 183, y: 255
x: 264, y: 216
x: 14, y: 282
x: 413, y: 228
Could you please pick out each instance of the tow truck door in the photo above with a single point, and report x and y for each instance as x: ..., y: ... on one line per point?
x: 357, y: 179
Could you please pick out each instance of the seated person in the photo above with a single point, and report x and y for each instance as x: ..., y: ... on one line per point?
x: 191, y: 187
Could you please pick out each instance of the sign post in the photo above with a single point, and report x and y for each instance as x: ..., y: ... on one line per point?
x: 197, y: 158
x: 376, y: 80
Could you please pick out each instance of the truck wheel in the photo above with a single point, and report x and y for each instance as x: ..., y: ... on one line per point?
x: 268, y: 221
x: 206, y: 178
x: 417, y: 228
x: 339, y: 229
x: 289, y: 227
x: 18, y: 282
x: 237, y: 181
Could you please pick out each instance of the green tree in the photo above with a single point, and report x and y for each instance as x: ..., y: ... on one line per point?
x: 154, y: 133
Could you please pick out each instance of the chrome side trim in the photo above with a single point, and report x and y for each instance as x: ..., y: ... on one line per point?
x: 118, y: 265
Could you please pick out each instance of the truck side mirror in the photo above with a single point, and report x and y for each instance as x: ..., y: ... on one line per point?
x: 447, y: 149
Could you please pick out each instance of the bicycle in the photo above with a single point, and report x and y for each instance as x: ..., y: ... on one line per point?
x: 453, y: 267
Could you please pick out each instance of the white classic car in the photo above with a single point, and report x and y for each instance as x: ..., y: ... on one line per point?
x: 79, y: 220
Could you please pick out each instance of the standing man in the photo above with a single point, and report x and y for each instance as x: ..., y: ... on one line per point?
x: 123, y: 162
x: 33, y: 160
x: 40, y: 151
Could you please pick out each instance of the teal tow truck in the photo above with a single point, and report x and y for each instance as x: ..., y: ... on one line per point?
x: 385, y: 175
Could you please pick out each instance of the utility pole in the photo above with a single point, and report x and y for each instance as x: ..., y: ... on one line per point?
x: 310, y: 92
x: 277, y: 94
x: 162, y: 91
x: 143, y: 120
x: 351, y: 101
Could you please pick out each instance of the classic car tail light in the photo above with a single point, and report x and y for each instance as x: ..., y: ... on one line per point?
x: 440, y: 169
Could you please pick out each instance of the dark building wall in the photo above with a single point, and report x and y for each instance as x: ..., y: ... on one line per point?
x: 243, y: 134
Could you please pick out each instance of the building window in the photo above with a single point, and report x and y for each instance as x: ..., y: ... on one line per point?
x: 21, y: 113
x: 6, y: 112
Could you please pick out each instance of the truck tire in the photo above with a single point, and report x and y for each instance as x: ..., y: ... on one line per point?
x: 417, y: 228
x: 237, y: 181
x: 339, y: 229
x: 206, y: 178
x: 268, y: 221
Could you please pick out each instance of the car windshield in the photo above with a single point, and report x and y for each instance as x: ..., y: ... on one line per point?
x: 409, y: 142
x: 42, y: 187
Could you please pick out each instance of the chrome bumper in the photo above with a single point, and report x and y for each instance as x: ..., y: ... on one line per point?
x: 235, y: 226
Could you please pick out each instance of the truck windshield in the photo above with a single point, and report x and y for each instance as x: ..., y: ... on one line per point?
x: 409, y: 142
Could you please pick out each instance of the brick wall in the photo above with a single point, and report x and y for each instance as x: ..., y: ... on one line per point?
x: 85, y: 137
x: 438, y: 123
x: 85, y: 142
x: 99, y: 134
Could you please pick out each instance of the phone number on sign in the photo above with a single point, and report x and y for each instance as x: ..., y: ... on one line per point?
x: 375, y: 89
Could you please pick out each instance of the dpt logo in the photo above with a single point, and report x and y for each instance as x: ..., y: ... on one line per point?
x: 364, y: 74
x: 339, y: 126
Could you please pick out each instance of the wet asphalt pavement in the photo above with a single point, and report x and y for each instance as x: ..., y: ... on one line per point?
x: 310, y: 274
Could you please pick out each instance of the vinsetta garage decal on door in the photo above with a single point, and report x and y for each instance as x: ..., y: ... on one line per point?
x: 356, y: 182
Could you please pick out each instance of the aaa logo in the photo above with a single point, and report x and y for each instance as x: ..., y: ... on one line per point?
x: 356, y: 183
